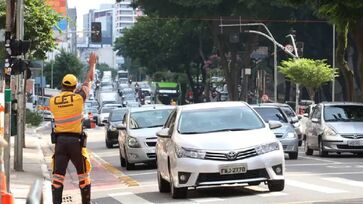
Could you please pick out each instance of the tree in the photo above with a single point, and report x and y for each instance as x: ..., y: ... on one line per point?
x: 64, y: 63
x: 309, y: 73
x: 40, y: 20
x: 104, y: 67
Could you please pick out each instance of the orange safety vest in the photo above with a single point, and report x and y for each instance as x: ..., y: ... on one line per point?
x: 67, y: 110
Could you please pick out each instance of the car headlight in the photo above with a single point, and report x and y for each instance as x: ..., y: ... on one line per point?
x: 266, y: 148
x: 112, y: 128
x: 329, y: 132
x: 132, y: 142
x: 189, y: 153
x: 291, y: 135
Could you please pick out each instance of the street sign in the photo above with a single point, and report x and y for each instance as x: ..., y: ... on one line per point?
x: 264, y: 98
x: 289, y: 48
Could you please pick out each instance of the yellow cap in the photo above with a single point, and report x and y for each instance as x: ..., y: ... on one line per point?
x: 69, y: 80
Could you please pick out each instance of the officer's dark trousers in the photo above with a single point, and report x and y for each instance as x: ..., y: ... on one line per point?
x: 68, y: 148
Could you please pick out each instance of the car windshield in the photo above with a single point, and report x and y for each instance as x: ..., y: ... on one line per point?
x: 218, y: 119
x: 106, y: 110
x: 92, y: 110
x: 118, y: 115
x: 149, y: 119
x: 271, y: 113
x: 289, y: 112
x: 343, y: 113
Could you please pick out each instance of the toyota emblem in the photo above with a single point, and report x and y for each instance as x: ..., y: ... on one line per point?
x: 231, y: 155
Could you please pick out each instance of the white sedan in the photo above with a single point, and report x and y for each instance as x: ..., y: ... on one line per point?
x: 218, y: 143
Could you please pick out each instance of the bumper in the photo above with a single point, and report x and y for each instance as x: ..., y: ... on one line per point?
x: 141, y: 155
x: 206, y: 172
x: 339, y: 144
x: 290, y: 145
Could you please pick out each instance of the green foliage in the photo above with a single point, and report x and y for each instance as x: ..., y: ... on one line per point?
x: 2, y: 13
x: 64, y: 63
x: 307, y: 72
x: 33, y: 118
x: 104, y: 67
x: 40, y: 21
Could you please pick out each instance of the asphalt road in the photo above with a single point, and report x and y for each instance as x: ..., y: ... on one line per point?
x: 310, y: 179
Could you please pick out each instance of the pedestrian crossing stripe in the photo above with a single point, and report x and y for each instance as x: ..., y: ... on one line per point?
x: 313, y: 187
x: 345, y: 181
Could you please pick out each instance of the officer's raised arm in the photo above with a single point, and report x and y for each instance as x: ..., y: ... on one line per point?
x: 86, y: 86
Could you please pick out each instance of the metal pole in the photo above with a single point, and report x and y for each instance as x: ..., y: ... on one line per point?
x: 18, y: 145
x: 275, y: 73
x: 333, y: 82
x: 297, y: 85
x: 51, y: 70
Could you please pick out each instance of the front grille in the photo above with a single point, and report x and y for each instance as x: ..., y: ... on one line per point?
x: 349, y: 147
x: 211, y: 177
x: 151, y: 138
x: 151, y: 155
x: 279, y: 135
x: 352, y: 136
x: 151, y: 144
x: 223, y: 156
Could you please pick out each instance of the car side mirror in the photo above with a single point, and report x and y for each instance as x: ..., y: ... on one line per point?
x: 121, y: 127
x: 299, y: 117
x: 315, y: 120
x: 163, y: 133
x: 294, y: 120
x: 274, y: 124
x: 105, y: 121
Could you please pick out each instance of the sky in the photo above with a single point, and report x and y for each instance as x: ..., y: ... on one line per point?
x: 83, y: 6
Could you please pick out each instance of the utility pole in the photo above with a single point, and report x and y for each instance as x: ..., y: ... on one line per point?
x: 20, y: 78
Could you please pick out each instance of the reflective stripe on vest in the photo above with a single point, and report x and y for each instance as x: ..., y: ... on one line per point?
x: 69, y: 120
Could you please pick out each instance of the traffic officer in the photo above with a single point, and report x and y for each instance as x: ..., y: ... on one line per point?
x: 67, y: 109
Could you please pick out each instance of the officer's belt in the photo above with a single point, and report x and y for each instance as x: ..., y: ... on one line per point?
x: 68, y: 134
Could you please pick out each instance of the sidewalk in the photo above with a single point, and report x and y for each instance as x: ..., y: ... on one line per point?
x: 34, y: 167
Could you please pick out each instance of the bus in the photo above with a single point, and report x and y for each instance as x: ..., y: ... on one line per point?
x: 166, y: 92
x: 123, y: 76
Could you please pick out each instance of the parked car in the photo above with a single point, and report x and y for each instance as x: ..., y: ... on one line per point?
x: 137, y: 139
x: 46, y: 114
x: 292, y: 117
x: 86, y: 119
x: 218, y: 143
x: 286, y: 133
x: 114, y: 121
x: 335, y: 127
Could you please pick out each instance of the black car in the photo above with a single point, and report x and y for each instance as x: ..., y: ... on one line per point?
x: 115, y: 119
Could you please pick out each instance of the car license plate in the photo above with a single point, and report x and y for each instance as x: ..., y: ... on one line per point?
x: 355, y: 142
x: 242, y: 168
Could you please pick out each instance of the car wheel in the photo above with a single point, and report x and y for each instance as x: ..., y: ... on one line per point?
x: 177, y: 193
x: 293, y: 155
x: 308, y: 151
x: 322, y: 151
x: 164, y: 185
x: 129, y: 166
x: 300, y: 143
x: 360, y: 154
x: 276, y: 185
x: 122, y: 160
x: 108, y: 143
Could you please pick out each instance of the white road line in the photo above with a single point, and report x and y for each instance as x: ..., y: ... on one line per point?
x: 206, y: 200
x: 313, y: 187
x: 273, y: 194
x: 345, y: 181
x: 324, y: 174
x: 129, y: 197
x: 322, y: 160
x: 139, y: 174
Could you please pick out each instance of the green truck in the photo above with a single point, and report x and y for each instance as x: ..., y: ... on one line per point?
x: 166, y: 93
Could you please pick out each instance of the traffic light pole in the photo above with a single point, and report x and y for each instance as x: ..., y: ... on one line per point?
x: 20, y: 94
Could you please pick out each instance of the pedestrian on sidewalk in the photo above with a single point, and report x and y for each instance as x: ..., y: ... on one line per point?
x: 68, y: 135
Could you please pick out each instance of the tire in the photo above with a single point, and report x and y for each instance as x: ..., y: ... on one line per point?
x: 122, y: 160
x: 129, y: 166
x: 109, y: 144
x: 293, y: 155
x: 300, y: 143
x: 164, y: 185
x: 322, y: 152
x: 276, y: 185
x: 177, y: 193
x: 308, y: 151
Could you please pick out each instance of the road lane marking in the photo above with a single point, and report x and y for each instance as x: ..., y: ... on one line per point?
x: 206, y: 200
x: 324, y: 174
x: 129, y: 197
x: 273, y: 194
x: 119, y: 174
x: 345, y: 181
x: 140, y: 174
x: 313, y: 187
x: 357, y: 164
x: 321, y: 160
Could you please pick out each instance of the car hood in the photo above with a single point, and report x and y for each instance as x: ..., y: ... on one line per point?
x: 286, y: 127
x: 226, y: 141
x: 115, y: 123
x: 346, y: 127
x: 104, y: 115
x: 145, y: 132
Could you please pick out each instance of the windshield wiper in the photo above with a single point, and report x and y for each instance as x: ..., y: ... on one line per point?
x: 154, y: 126
x: 228, y: 129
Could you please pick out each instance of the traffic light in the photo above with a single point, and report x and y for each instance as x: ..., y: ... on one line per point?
x: 96, y: 32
